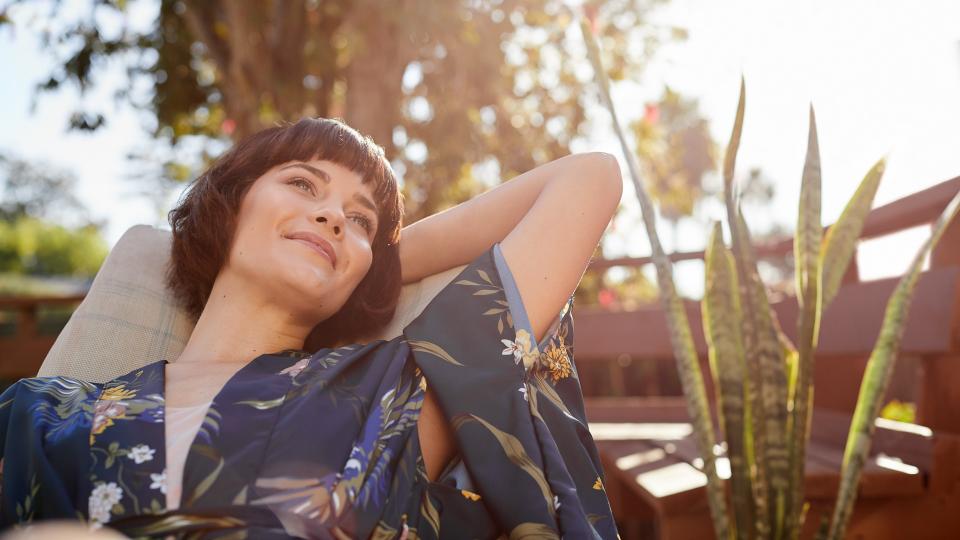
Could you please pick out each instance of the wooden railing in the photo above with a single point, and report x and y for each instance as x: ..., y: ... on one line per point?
x: 849, y: 328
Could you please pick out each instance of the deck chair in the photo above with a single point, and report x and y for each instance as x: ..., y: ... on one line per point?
x: 129, y: 318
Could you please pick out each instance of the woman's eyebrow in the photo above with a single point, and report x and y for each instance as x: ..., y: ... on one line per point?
x: 322, y: 174
x: 319, y: 173
x: 365, y: 201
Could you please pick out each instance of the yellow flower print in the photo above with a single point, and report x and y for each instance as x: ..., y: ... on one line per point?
x: 104, y: 413
x: 598, y: 485
x: 117, y: 393
x: 470, y: 495
x: 557, y: 362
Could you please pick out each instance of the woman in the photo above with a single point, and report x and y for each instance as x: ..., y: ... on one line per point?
x: 470, y: 424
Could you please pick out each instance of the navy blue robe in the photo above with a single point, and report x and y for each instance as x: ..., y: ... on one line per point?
x: 325, y: 445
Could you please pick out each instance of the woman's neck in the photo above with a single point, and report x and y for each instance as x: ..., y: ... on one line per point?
x: 236, y: 327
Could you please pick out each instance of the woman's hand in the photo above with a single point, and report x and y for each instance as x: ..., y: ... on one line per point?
x: 549, y: 220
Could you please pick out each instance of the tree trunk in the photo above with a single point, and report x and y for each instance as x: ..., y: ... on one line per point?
x: 375, y: 73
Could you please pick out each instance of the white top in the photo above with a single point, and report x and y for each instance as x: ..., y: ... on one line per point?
x: 181, y: 426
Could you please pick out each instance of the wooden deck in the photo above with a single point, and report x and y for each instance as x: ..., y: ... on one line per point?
x: 656, y: 483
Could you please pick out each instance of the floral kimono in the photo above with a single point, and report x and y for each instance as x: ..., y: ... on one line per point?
x: 325, y: 445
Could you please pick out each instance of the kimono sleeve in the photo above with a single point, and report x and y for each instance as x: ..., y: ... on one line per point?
x: 515, y: 405
x: 44, y: 433
x: 6, y: 405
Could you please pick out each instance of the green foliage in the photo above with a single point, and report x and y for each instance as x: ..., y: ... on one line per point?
x: 30, y: 189
x: 900, y: 411
x: 35, y: 247
x: 674, y: 144
x: 33, y: 240
x: 441, y: 85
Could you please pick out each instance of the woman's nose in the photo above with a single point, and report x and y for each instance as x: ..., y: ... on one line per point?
x: 332, y: 219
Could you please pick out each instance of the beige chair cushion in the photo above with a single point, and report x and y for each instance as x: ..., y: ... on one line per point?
x: 130, y: 319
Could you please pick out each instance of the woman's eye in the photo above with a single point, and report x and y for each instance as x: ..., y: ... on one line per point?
x: 364, y: 221
x: 302, y: 184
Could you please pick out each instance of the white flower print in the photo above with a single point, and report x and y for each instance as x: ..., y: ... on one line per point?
x: 159, y: 481
x: 102, y: 499
x: 512, y: 349
x: 295, y: 369
x: 520, y: 348
x: 523, y: 390
x: 352, y: 463
x: 556, y: 502
x: 141, y: 453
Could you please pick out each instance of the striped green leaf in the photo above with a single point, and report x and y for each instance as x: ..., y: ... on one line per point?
x: 766, y: 367
x: 681, y: 338
x: 840, y: 242
x: 730, y: 157
x: 721, y: 327
x: 876, y: 377
x: 806, y: 246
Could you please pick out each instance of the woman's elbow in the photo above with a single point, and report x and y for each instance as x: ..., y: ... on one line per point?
x: 608, y: 178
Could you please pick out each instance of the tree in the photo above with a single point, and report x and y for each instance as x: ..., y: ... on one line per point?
x: 33, y: 247
x: 32, y: 190
x: 443, y: 86
x: 674, y: 145
x: 36, y: 203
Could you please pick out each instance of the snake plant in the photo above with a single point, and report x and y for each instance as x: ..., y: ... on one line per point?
x: 764, y: 382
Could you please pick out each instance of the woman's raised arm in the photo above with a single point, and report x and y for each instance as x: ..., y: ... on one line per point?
x: 549, y: 220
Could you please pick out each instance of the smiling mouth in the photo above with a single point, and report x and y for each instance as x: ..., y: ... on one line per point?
x: 315, y: 248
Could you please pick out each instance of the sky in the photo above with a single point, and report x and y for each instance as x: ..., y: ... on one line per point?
x: 883, y: 76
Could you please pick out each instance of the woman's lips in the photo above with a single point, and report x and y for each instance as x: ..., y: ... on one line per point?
x: 316, y: 248
x: 317, y: 244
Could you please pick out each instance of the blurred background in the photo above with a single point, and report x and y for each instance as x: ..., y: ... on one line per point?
x: 110, y: 108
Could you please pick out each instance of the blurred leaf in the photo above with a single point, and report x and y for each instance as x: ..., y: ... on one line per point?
x: 730, y: 158
x: 840, y: 242
x: 87, y: 121
x: 899, y: 411
x: 876, y: 377
x: 722, y: 325
x: 674, y: 143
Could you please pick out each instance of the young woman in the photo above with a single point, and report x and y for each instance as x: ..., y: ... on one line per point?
x: 281, y: 418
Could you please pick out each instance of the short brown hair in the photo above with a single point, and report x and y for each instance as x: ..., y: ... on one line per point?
x: 204, y: 221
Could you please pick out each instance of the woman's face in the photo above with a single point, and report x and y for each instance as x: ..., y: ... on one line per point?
x: 304, y: 235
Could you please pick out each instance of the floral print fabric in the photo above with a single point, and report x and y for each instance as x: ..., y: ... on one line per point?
x: 325, y: 445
